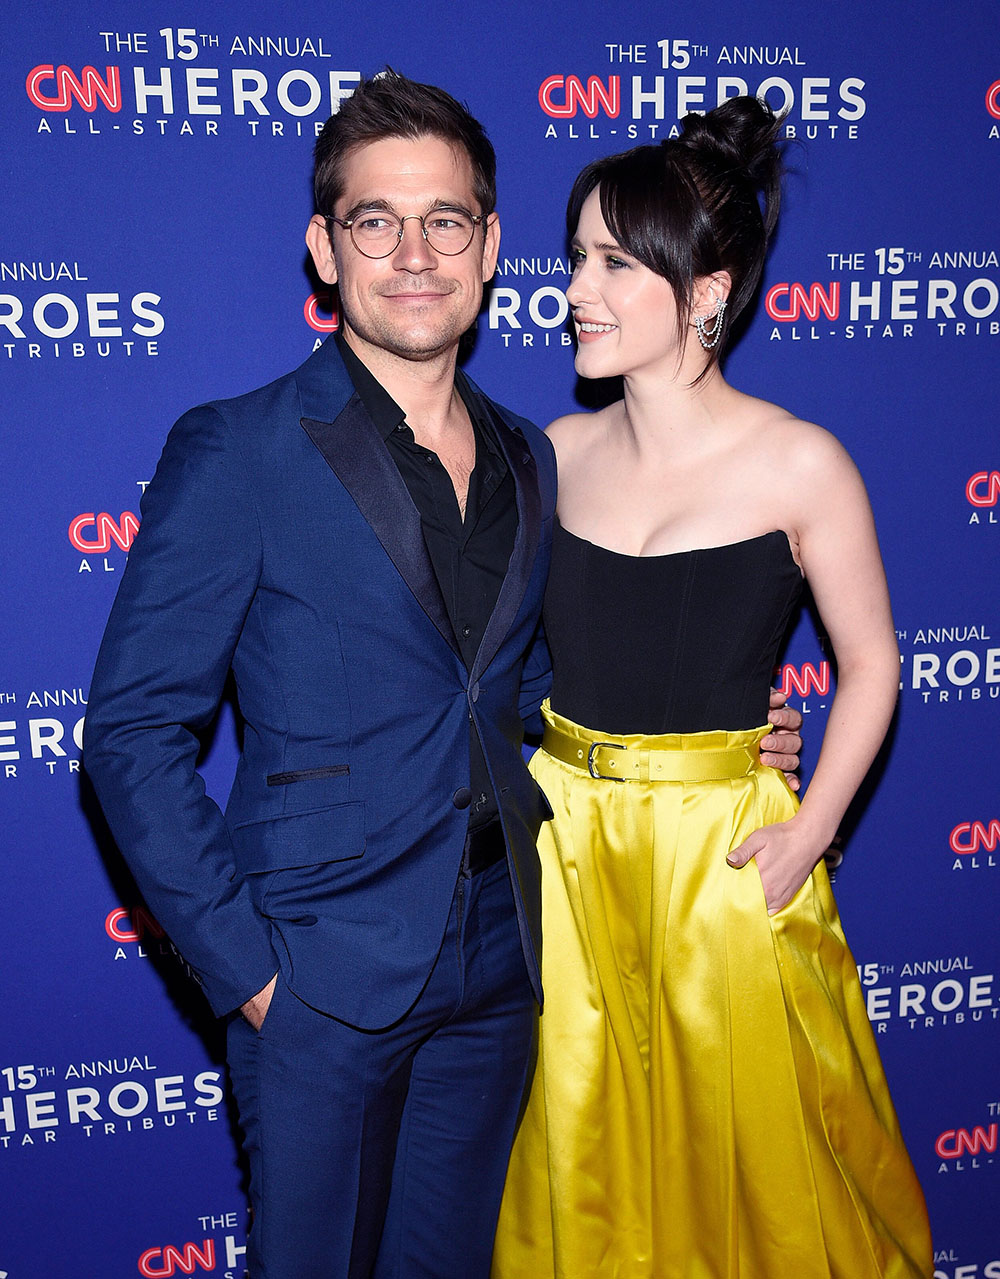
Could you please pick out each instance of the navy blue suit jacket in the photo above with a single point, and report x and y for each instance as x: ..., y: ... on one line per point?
x: 279, y: 541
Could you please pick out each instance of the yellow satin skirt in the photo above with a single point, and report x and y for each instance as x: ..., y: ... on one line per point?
x: 708, y: 1101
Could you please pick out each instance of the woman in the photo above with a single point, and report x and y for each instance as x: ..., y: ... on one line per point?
x: 708, y: 1101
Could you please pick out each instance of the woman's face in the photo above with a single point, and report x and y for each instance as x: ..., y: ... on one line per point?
x: 625, y: 315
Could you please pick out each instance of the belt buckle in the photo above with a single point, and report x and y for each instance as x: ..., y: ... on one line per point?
x: 592, y: 768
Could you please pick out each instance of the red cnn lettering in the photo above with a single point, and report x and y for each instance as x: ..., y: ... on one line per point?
x: 970, y: 837
x: 975, y: 491
x: 806, y: 679
x: 575, y: 97
x: 799, y: 301
x: 174, y: 1260
x: 958, y: 1141
x: 993, y: 99
x: 320, y: 322
x: 122, y: 531
x: 86, y: 90
x: 141, y: 921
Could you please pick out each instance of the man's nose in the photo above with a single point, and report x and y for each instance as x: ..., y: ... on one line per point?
x: 413, y: 253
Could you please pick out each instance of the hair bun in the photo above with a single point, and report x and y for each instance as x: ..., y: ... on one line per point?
x: 741, y: 135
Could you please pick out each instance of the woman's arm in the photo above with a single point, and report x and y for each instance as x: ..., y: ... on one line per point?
x: 838, y: 550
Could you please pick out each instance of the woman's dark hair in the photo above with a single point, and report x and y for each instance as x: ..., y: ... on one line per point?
x: 391, y: 106
x: 689, y: 206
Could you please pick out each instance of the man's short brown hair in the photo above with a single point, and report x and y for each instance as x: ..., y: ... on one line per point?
x: 391, y: 106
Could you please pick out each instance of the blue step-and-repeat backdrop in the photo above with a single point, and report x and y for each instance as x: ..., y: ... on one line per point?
x: 156, y: 162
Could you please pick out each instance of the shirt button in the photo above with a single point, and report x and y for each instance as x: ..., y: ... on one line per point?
x: 474, y: 692
x: 462, y: 798
x: 466, y: 632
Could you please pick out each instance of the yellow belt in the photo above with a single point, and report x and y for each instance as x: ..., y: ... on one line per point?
x: 614, y: 762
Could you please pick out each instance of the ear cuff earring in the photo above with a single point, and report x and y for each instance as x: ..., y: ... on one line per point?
x: 708, y: 337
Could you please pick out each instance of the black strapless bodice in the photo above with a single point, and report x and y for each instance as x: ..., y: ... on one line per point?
x: 678, y: 643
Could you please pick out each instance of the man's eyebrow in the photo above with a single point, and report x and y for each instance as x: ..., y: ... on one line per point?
x: 384, y: 206
x: 361, y: 206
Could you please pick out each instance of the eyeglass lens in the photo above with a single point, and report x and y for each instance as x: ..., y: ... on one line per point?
x: 378, y: 232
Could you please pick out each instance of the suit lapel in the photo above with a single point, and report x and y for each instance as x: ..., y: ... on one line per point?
x: 522, y: 465
x: 354, y: 450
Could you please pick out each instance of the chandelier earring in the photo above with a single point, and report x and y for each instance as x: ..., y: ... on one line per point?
x: 709, y: 337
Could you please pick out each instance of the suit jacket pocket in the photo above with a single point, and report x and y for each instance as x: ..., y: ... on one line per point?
x: 308, y: 775
x: 333, y: 833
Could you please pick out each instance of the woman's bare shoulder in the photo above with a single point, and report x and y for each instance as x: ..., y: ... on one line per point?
x: 576, y: 431
x: 799, y: 445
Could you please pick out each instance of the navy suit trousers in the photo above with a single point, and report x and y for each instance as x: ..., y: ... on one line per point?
x: 382, y: 1154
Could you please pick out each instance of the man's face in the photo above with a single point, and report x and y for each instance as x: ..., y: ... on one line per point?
x: 415, y: 303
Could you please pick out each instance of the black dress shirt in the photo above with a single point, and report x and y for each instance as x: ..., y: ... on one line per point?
x: 469, y: 556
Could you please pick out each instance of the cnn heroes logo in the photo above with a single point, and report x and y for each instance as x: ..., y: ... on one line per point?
x: 111, y: 1098
x: 993, y: 107
x: 102, y: 538
x: 647, y: 88
x: 946, y: 665
x: 209, y: 1252
x: 982, y: 492
x: 928, y: 994
x: 47, y: 312
x: 945, y: 1267
x: 890, y: 292
x: 940, y: 665
x: 160, y: 85
x: 974, y: 843
x: 527, y: 305
x: 970, y: 1149
x: 47, y: 738
x: 138, y: 934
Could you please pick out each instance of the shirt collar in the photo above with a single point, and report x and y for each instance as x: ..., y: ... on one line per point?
x: 379, y: 404
x: 386, y: 413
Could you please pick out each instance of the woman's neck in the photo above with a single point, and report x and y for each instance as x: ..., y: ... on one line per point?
x: 668, y: 415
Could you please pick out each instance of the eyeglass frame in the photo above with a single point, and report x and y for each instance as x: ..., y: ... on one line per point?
x: 348, y: 224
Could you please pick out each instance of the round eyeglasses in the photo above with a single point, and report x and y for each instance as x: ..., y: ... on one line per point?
x: 378, y: 232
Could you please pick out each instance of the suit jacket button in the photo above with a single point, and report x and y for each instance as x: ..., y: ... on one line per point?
x: 462, y: 798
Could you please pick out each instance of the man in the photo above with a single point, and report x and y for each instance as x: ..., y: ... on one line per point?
x: 364, y: 544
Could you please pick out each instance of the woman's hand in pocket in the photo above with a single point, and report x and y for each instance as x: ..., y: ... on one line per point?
x: 785, y: 855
